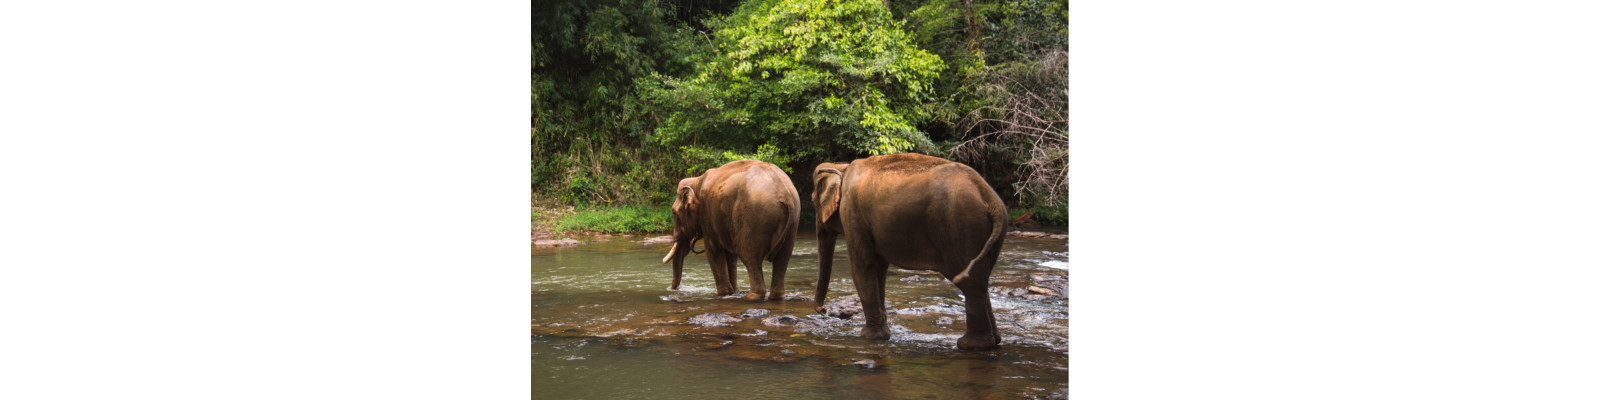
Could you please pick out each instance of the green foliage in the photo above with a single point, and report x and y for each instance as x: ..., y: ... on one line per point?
x: 1021, y: 128
x: 1004, y: 109
x: 701, y: 159
x: 955, y: 31
x: 1050, y: 215
x: 823, y: 78
x: 618, y: 220
x: 629, y: 96
x: 589, y: 120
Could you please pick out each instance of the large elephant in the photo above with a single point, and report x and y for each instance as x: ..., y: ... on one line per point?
x: 917, y: 212
x: 746, y: 211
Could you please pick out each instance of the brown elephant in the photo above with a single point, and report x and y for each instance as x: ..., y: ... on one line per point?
x: 917, y: 212
x: 745, y: 210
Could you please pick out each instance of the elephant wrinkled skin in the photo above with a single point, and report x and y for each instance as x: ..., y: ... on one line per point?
x: 917, y: 212
x: 746, y: 211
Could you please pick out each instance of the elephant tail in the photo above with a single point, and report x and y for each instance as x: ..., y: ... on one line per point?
x: 777, y: 237
x: 997, y: 215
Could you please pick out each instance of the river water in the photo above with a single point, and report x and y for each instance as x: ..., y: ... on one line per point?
x: 606, y: 326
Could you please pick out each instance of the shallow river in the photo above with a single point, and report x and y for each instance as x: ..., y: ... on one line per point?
x: 605, y: 326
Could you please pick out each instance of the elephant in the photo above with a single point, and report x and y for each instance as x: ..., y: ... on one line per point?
x: 917, y: 212
x: 746, y: 211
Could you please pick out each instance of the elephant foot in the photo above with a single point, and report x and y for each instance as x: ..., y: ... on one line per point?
x: 984, y: 342
x: 822, y: 310
x: 775, y: 296
x: 874, y: 334
x: 753, y: 297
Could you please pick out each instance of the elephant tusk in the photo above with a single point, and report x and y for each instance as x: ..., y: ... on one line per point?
x: 670, y: 253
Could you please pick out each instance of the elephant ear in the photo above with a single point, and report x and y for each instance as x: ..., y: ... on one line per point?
x: 691, y: 204
x: 828, y: 199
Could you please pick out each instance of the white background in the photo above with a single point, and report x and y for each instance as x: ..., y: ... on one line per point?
x: 264, y: 200
x: 327, y: 200
x: 1335, y: 200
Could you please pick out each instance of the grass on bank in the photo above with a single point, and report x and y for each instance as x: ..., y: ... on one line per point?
x: 623, y: 219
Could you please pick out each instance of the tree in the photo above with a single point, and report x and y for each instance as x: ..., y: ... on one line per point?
x: 589, y: 120
x: 1024, y: 119
x: 818, y: 78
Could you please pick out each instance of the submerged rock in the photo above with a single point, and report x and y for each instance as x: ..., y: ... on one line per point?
x: 1060, y: 394
x: 780, y: 320
x: 933, y: 309
x: 712, y: 319
x: 826, y: 325
x: 558, y: 243
x: 656, y: 240
x: 1043, y: 291
x: 945, y: 321
x: 864, y: 363
x: 843, y: 308
x: 1049, y: 286
x: 752, y: 313
x: 1042, y: 278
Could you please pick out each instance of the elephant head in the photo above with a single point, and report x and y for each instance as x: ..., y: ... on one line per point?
x: 685, y: 226
x: 828, y: 181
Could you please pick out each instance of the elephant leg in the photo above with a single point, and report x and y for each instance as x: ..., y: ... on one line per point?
x: 869, y: 274
x: 780, y: 265
x: 730, y: 268
x: 758, y: 284
x: 719, y: 272
x: 982, y: 333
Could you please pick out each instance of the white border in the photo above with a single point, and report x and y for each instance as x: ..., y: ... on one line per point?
x: 264, y: 200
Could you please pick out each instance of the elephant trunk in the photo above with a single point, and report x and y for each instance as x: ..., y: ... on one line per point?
x: 680, y: 249
x: 677, y: 267
x: 825, y: 242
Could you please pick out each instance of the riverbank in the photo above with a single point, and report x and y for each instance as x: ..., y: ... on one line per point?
x: 552, y: 219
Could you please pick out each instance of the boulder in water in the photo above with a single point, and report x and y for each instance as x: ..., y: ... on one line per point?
x: 1060, y: 394
x: 843, y: 308
x: 656, y: 240
x: 780, y: 320
x: 557, y: 243
x: 712, y: 319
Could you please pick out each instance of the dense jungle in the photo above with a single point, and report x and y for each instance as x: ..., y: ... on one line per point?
x: 629, y: 96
